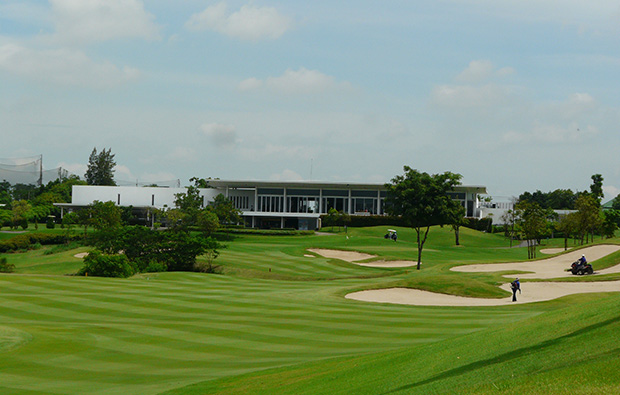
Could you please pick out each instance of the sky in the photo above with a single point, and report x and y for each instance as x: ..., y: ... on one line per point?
x: 515, y: 95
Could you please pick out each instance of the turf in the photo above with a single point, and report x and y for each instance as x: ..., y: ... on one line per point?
x: 276, y: 321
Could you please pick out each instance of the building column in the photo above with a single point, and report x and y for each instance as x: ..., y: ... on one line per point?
x: 285, y: 202
x: 321, y: 201
x: 350, y: 202
x: 255, y: 204
x: 281, y: 222
x: 378, y: 202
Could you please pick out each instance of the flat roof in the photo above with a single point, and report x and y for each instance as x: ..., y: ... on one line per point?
x: 249, y: 184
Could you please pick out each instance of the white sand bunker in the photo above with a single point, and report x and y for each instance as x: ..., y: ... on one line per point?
x: 551, y: 251
x: 81, y: 255
x: 355, y: 258
x: 553, y: 267
x: 532, y: 292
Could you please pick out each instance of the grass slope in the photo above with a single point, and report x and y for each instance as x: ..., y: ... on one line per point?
x: 569, y: 351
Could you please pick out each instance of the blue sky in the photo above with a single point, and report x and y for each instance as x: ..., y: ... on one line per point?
x: 514, y: 95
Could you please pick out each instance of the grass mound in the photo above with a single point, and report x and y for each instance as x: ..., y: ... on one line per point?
x: 568, y: 351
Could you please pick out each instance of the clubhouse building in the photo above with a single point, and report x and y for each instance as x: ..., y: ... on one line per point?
x: 267, y: 204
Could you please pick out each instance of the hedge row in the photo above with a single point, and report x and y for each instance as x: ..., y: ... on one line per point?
x: 26, y: 241
x: 265, y: 232
x: 362, y: 221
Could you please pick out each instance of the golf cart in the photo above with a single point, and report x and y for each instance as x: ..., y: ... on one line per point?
x: 391, y: 234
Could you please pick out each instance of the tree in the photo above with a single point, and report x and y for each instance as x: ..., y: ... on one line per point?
x: 422, y: 201
x: 100, y: 169
x: 225, y: 210
x: 609, y: 223
x: 596, y: 189
x: 616, y: 203
x: 21, y: 212
x: 104, y: 215
x: 567, y: 224
x: 588, y: 216
x: 457, y: 219
x: 532, y: 224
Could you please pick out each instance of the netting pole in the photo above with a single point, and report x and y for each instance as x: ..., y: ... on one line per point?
x: 41, y: 171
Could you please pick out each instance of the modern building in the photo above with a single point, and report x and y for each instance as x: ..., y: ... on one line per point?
x: 269, y: 204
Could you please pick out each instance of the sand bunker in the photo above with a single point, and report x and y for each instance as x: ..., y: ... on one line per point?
x: 553, y: 267
x: 532, y: 292
x: 354, y: 257
x: 550, y: 251
x: 81, y: 255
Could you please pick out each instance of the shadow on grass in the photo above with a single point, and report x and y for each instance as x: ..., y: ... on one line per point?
x: 506, y: 356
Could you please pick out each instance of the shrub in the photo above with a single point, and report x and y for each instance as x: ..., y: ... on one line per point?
x: 50, y: 224
x: 155, y: 267
x: 104, y: 265
x: 6, y: 267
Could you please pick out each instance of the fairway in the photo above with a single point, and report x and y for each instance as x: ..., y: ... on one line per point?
x: 271, y: 308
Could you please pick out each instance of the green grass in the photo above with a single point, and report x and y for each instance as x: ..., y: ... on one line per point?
x: 276, y: 322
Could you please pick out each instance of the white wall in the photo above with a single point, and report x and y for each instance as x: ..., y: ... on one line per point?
x: 133, y: 196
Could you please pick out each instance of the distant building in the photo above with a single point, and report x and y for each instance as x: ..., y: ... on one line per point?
x: 268, y: 204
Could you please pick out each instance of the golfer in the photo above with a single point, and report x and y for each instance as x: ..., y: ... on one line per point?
x: 516, y: 286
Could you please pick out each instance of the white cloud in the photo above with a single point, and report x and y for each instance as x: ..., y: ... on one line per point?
x: 82, y: 21
x: 122, y: 173
x: 221, y: 135
x: 250, y: 84
x: 249, y: 23
x: 610, y: 192
x: 551, y: 134
x: 478, y: 70
x: 468, y: 96
x: 62, y: 66
x: 302, y: 81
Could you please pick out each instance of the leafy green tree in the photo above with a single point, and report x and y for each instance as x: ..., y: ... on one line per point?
x: 207, y: 221
x: 456, y: 220
x: 510, y: 218
x: 99, y: 264
x: 422, y: 201
x: 6, y: 217
x: 331, y: 218
x: 21, y: 213
x: 5, y: 193
x: 588, y: 216
x: 596, y: 189
x: 100, y: 169
x: 225, y: 210
x: 567, y: 225
x: 616, y: 203
x: 104, y: 215
x: 610, y: 223
x: 532, y: 224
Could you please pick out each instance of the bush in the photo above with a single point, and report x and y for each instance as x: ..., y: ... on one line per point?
x: 50, y: 224
x: 155, y: 267
x: 104, y: 265
x: 6, y: 267
x: 27, y: 241
x: 362, y: 221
